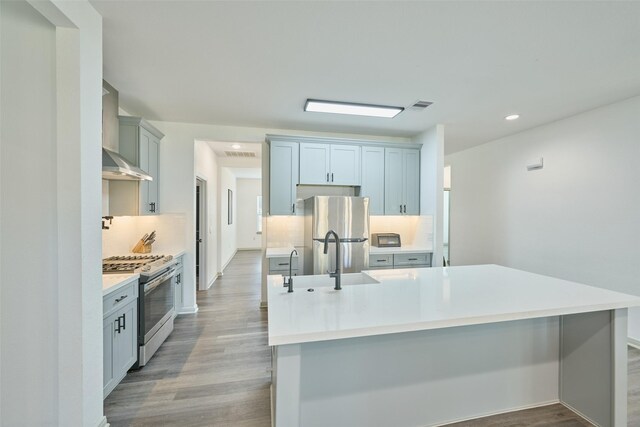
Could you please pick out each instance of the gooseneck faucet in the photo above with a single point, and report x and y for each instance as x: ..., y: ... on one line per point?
x: 289, y: 283
x: 334, y: 274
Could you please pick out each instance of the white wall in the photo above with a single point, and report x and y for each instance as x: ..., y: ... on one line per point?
x: 432, y: 184
x: 206, y: 168
x: 125, y: 231
x: 576, y: 219
x: 51, y: 299
x: 227, y: 243
x: 248, y: 191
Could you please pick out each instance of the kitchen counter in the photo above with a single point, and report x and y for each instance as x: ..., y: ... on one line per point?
x: 402, y: 249
x: 433, y: 346
x: 280, y: 252
x: 113, y: 282
x: 427, y: 298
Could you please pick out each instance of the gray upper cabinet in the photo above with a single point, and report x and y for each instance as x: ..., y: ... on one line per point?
x: 329, y: 164
x: 315, y: 164
x: 140, y: 144
x: 402, y: 181
x: 372, y: 185
x: 345, y: 164
x: 283, y: 177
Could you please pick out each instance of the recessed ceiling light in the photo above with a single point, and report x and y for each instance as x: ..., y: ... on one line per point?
x: 512, y: 117
x: 236, y: 146
x: 335, y: 107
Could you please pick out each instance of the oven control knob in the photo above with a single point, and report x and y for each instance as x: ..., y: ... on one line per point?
x: 146, y: 268
x: 168, y: 258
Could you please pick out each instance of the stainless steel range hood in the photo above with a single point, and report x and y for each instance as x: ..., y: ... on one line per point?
x: 116, y: 167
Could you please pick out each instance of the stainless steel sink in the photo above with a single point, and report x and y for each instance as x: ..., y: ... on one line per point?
x: 323, y: 280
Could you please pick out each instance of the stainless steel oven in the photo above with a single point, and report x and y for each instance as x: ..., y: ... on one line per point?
x: 156, y: 307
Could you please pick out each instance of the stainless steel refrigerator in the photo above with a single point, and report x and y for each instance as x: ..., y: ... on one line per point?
x: 347, y: 216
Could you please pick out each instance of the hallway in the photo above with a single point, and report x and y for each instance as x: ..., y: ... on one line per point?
x: 213, y: 369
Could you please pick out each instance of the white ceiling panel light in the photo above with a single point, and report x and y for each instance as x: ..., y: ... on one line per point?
x: 351, y: 108
x: 512, y: 117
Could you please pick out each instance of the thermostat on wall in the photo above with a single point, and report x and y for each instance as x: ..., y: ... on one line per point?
x: 535, y: 164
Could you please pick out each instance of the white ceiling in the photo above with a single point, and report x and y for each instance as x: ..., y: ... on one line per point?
x: 255, y: 63
x: 220, y: 148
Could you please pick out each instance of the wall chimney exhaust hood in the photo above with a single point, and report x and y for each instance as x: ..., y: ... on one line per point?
x: 116, y: 167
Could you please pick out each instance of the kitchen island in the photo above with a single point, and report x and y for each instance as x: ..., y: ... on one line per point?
x: 437, y: 345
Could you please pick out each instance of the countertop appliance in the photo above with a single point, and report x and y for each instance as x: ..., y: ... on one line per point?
x: 349, y: 218
x: 156, y: 304
x: 386, y: 240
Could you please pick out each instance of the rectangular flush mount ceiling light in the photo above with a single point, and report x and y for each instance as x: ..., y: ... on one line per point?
x: 318, y: 106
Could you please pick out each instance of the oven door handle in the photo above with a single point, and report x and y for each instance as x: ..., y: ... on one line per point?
x: 158, y: 280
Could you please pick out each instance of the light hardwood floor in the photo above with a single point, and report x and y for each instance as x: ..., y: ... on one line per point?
x: 214, y: 368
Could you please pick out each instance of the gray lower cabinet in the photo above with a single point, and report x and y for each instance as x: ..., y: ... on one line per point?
x: 280, y: 265
x: 177, y: 280
x: 400, y: 260
x: 119, y: 335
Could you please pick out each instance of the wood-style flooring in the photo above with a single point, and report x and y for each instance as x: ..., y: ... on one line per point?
x: 214, y: 368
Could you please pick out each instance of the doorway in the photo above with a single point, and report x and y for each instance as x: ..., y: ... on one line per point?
x: 201, y: 233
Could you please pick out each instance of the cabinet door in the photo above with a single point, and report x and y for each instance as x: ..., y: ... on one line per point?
x: 126, y: 340
x: 178, y: 289
x: 154, y: 160
x: 283, y: 177
x: 345, y: 164
x: 393, y: 180
x: 315, y: 163
x: 372, y: 181
x: 411, y: 182
x: 144, y: 141
x: 108, y: 373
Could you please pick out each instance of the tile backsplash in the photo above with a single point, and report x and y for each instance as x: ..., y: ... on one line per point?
x: 125, y: 231
x: 414, y: 230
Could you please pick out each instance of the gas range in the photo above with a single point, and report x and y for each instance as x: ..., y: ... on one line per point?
x: 146, y: 265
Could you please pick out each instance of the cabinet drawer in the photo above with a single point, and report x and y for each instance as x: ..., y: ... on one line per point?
x: 381, y: 260
x: 282, y: 264
x: 119, y: 298
x: 285, y: 273
x: 419, y: 259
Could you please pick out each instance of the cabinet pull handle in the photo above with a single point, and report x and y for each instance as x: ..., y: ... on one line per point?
x: 413, y: 259
x: 283, y: 263
x: 331, y: 176
x: 327, y: 176
x: 179, y: 278
x: 121, y: 298
x: 380, y: 260
x: 124, y: 321
x: 405, y: 208
x: 118, y: 326
x: 400, y: 208
x: 152, y: 207
x: 293, y: 208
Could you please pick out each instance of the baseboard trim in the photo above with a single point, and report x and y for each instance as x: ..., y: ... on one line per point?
x: 578, y: 413
x: 250, y: 249
x: 215, y: 277
x: 229, y: 260
x: 188, y: 310
x: 633, y: 343
x: 103, y: 422
x: 500, y: 412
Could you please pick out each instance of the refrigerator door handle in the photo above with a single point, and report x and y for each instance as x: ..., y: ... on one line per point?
x: 346, y: 240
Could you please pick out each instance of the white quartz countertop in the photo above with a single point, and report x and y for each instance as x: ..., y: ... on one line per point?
x: 113, y: 282
x: 402, y: 249
x: 280, y: 252
x: 427, y: 298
